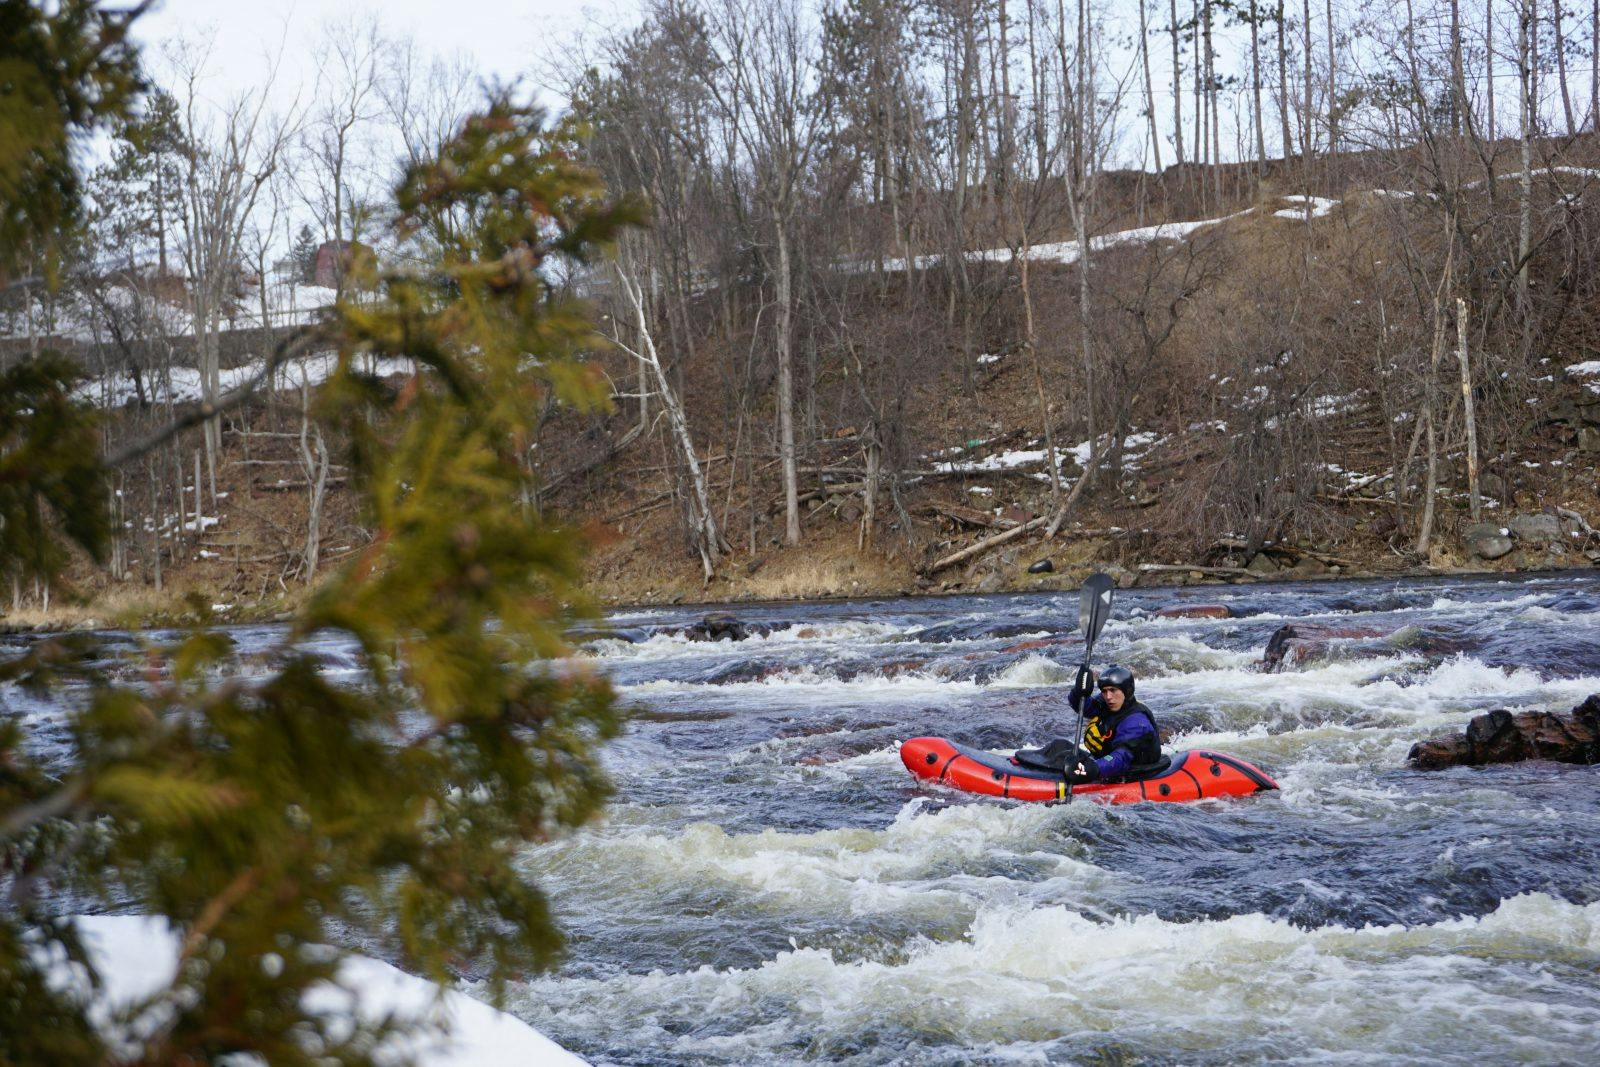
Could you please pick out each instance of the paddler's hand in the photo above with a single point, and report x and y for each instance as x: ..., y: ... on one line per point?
x: 1082, y: 686
x: 1087, y: 771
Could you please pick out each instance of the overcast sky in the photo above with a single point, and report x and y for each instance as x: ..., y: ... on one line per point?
x: 507, y: 38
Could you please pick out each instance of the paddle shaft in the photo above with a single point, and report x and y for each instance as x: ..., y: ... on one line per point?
x: 1094, y: 609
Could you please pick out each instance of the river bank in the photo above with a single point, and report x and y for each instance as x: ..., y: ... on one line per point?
x: 793, y: 576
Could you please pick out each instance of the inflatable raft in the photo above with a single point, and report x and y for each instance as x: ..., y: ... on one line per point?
x: 1192, y: 775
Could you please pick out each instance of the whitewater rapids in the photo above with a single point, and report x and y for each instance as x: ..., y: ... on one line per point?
x: 771, y: 887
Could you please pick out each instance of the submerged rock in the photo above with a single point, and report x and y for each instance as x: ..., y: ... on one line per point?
x: 1503, y: 737
x: 1196, y: 611
x: 1297, y: 642
x: 722, y: 626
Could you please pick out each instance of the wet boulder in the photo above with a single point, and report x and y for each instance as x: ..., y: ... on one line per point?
x: 1487, y: 540
x: 1298, y: 642
x: 1043, y: 566
x: 723, y: 626
x: 1196, y: 611
x: 1502, y: 736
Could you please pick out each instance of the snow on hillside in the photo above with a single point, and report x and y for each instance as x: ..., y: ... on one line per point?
x: 115, y: 390
x: 1067, y: 252
x: 137, y: 957
x: 73, y: 317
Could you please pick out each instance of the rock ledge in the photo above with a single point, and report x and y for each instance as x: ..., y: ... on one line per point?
x: 1504, y: 737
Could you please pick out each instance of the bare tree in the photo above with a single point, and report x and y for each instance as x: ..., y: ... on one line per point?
x: 708, y: 540
x: 336, y: 135
x: 763, y: 85
x: 233, y: 151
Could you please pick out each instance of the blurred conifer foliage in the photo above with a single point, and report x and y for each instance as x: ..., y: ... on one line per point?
x: 272, y: 818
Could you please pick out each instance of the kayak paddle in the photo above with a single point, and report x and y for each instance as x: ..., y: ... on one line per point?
x: 1094, y: 608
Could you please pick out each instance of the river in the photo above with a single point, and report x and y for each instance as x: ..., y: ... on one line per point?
x: 771, y: 885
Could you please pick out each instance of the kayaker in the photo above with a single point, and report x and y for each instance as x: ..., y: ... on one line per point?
x: 1119, y: 733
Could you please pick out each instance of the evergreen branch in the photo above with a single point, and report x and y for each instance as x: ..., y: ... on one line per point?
x: 217, y: 907
x: 52, y: 806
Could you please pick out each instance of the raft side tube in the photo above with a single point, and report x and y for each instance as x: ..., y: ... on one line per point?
x: 1193, y: 775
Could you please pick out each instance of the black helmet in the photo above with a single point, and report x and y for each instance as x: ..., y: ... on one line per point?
x: 1118, y: 678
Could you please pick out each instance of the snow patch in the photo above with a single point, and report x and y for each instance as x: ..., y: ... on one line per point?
x: 136, y: 957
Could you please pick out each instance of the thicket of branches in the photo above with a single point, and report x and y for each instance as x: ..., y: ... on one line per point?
x: 799, y: 161
x: 873, y: 238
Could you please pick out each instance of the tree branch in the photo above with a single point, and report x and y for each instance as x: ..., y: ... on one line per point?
x: 287, y: 349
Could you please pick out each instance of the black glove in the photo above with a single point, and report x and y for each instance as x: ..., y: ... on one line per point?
x: 1082, y: 686
x: 1086, y: 771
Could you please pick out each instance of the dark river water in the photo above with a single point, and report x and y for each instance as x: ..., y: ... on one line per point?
x: 771, y: 886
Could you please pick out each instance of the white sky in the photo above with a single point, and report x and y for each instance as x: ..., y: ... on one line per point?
x: 507, y: 38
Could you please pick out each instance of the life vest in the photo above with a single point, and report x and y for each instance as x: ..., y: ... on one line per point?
x: 1100, y: 735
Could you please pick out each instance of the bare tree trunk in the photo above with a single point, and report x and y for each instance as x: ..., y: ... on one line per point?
x: 709, y: 543
x: 199, y: 512
x: 1283, y: 82
x: 1430, y: 407
x: 1488, y: 64
x: 1149, y: 83
x: 1561, y: 68
x: 1525, y: 61
x: 1594, y: 66
x: 869, y: 489
x: 1459, y: 119
x: 314, y: 458
x: 786, y: 448
x: 1255, y: 86
x: 1199, y: 99
x: 1306, y: 133
x: 1467, y: 408
x: 155, y: 520
x: 1333, y: 86
x: 1214, y: 102
x: 1177, y: 83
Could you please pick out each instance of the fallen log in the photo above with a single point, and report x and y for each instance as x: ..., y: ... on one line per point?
x: 1294, y: 552
x: 660, y: 500
x: 284, y: 487
x: 985, y: 545
x: 969, y: 516
x: 1174, y: 568
x: 1504, y: 737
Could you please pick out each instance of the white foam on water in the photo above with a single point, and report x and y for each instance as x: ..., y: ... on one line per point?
x: 1039, y: 973
x: 919, y: 864
x: 1033, y: 671
x: 818, y: 685
x: 1553, y: 617
x: 1181, y: 654
x: 676, y: 646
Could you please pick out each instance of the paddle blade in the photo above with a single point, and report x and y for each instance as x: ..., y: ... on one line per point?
x: 1094, y: 605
